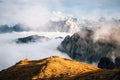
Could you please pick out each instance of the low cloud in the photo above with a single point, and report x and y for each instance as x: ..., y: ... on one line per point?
x: 108, y: 30
x: 36, y: 13
x: 11, y: 52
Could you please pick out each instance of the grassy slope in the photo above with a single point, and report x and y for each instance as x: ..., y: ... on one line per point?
x: 56, y: 68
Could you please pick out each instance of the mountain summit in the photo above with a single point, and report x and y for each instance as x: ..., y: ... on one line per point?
x: 56, y: 68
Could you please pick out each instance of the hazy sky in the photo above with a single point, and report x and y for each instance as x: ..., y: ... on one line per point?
x: 39, y: 11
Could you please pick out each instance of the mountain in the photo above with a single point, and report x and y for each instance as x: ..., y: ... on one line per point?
x: 91, y: 44
x: 15, y: 28
x: 32, y: 38
x: 69, y: 24
x: 66, y: 25
x: 56, y: 68
x: 62, y: 23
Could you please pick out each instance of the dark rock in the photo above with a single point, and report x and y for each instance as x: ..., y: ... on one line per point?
x: 32, y: 38
x: 106, y: 63
x: 64, y: 43
x: 117, y: 62
x: 59, y: 37
x: 82, y: 47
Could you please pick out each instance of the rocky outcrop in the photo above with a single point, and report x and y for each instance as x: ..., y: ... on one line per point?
x: 106, y: 63
x: 117, y: 62
x: 82, y: 47
x: 32, y: 38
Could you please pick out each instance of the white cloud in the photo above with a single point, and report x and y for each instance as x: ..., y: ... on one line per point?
x: 38, y: 12
x: 10, y: 52
x: 33, y: 13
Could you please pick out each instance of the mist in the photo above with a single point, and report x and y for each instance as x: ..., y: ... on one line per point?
x: 11, y: 52
x: 90, y: 44
x: 31, y: 13
x: 37, y: 13
x: 108, y: 30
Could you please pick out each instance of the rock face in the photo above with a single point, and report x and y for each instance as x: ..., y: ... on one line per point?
x: 106, y: 63
x: 32, y: 38
x: 56, y: 68
x: 82, y: 47
x: 117, y: 62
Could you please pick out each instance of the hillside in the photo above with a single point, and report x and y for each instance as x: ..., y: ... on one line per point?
x: 56, y: 68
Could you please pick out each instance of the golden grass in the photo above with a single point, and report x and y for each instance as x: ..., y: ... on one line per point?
x: 55, y: 68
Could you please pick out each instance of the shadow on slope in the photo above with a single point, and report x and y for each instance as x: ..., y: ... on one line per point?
x: 50, y: 68
x: 54, y: 68
x: 101, y: 74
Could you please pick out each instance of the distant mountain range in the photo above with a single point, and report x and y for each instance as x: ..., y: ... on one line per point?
x: 15, y: 28
x: 66, y: 24
x: 72, y: 25
x: 57, y: 68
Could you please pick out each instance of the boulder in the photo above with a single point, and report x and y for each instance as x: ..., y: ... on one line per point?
x: 106, y: 63
x: 117, y: 62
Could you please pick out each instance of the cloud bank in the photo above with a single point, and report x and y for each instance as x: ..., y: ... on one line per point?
x: 36, y: 13
x: 10, y: 52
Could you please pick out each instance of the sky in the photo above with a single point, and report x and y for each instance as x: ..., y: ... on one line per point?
x: 38, y: 12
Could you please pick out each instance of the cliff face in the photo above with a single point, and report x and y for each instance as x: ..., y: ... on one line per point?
x: 56, y: 68
x: 82, y: 46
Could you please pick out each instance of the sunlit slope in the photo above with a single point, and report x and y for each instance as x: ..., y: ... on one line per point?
x: 55, y: 68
